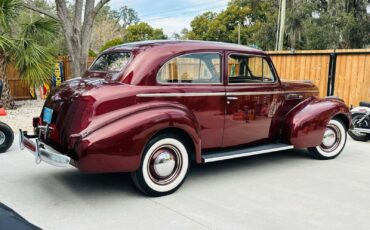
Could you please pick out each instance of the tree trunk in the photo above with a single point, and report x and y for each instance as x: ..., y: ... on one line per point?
x: 282, y: 25
x: 6, y: 97
x: 77, y: 32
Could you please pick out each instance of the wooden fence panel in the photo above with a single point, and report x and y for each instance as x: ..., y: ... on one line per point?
x: 18, y: 88
x: 303, y: 67
x: 21, y: 91
x: 352, y: 81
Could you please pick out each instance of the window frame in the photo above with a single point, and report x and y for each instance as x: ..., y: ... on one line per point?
x: 271, y: 67
x: 187, y: 83
x: 106, y: 71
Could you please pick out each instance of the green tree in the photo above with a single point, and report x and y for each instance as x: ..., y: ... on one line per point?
x: 28, y: 50
x: 257, y: 19
x: 142, y: 31
x: 110, y: 24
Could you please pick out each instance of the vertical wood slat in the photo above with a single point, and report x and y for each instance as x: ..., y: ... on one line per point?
x: 303, y: 67
x: 21, y: 91
x: 353, y: 78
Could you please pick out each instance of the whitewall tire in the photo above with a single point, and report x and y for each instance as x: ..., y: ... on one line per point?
x: 164, y: 166
x: 334, y: 140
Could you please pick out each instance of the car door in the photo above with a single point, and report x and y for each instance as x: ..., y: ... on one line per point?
x: 253, y: 95
x: 197, y: 80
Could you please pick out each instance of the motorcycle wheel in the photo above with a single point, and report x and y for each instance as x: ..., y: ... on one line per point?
x: 6, y: 137
x: 356, y: 135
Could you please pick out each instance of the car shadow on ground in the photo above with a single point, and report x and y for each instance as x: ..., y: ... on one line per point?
x: 120, y: 183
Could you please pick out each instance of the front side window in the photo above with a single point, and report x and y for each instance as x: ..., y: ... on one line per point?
x: 192, y: 68
x: 111, y: 62
x: 249, y: 69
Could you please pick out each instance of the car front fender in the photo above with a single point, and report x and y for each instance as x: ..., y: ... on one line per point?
x: 118, y: 146
x: 305, y: 124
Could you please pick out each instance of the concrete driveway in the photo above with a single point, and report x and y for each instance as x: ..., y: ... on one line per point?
x: 285, y: 190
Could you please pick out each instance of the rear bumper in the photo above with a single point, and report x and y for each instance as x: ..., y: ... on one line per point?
x: 41, y: 151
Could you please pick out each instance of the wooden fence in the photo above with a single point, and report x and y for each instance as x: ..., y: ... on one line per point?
x: 344, y: 73
x: 21, y: 91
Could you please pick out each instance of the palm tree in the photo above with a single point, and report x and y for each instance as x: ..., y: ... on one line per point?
x: 29, y: 50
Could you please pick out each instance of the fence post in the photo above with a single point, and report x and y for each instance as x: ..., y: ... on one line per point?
x: 331, y: 75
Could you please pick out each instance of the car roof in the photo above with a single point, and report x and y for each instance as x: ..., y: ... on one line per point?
x: 185, y: 44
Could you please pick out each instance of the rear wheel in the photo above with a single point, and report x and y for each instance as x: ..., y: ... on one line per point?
x: 163, y: 167
x: 364, y: 124
x: 6, y: 137
x: 333, y: 142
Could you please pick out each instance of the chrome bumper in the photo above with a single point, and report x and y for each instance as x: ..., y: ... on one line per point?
x: 41, y: 151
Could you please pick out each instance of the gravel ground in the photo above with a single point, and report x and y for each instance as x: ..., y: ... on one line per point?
x: 21, y: 118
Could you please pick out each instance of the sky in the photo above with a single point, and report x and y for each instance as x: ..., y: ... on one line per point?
x: 171, y: 15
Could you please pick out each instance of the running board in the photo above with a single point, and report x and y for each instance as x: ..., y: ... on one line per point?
x: 236, y: 153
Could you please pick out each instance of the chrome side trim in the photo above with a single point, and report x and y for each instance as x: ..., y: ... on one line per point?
x: 220, y: 94
x: 268, y: 92
x: 297, y: 81
x: 207, y: 160
x: 361, y: 130
x: 179, y: 94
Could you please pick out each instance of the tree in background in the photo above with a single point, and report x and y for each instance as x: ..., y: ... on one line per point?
x: 138, y: 32
x: 257, y: 19
x: 142, y: 31
x: 77, y: 23
x: 111, y: 24
x: 28, y: 47
x: 310, y: 24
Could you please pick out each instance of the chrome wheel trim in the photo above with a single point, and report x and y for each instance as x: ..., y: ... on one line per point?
x: 331, y: 138
x: 176, y: 177
x: 340, y: 140
x: 2, y: 137
x: 165, y: 164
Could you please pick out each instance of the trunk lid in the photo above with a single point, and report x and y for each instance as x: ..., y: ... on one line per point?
x: 72, y: 106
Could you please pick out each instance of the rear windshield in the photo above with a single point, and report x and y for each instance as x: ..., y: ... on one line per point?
x: 111, y: 62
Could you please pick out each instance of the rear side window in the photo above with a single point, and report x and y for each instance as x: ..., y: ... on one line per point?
x: 249, y: 69
x: 197, y: 68
x: 111, y: 62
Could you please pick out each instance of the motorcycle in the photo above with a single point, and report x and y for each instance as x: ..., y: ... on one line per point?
x: 6, y: 133
x: 360, y: 126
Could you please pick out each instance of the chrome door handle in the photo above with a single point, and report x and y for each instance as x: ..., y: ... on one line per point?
x: 292, y: 96
x: 232, y: 98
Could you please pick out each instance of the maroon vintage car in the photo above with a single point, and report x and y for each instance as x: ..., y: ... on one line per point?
x: 151, y: 108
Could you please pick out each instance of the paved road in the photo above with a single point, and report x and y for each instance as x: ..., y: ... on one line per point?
x: 285, y: 190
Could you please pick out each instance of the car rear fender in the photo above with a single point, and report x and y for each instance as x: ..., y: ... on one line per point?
x: 118, y: 146
x: 306, y: 122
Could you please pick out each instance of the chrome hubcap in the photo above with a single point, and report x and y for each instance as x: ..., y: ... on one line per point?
x: 329, y: 137
x: 2, y: 137
x: 332, y: 138
x: 165, y: 164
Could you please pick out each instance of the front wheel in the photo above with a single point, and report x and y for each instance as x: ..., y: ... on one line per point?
x: 333, y: 142
x: 365, y: 124
x: 6, y: 137
x: 163, y: 167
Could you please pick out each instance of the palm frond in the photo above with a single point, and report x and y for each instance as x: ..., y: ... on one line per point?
x: 34, y: 62
x: 43, y: 30
x: 5, y: 44
x: 9, y: 9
